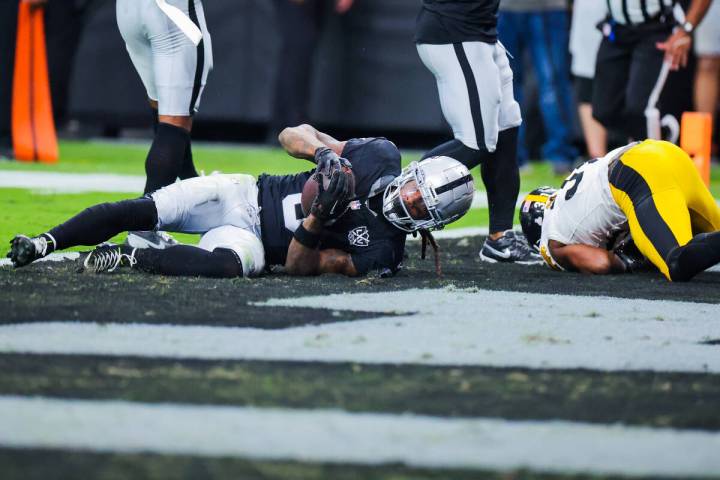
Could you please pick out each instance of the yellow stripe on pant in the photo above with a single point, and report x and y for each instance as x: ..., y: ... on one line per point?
x: 660, y: 191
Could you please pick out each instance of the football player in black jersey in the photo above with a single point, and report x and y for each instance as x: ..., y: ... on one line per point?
x: 457, y: 42
x: 248, y: 224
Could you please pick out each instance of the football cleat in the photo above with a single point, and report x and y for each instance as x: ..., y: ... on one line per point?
x: 511, y: 248
x: 150, y: 239
x: 108, y: 258
x: 25, y: 250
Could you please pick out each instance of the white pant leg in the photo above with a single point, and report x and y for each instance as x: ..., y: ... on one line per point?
x: 443, y: 63
x: 131, y: 23
x: 475, y: 86
x: 510, y: 115
x: 199, y: 204
x: 173, y: 70
x: 246, y: 245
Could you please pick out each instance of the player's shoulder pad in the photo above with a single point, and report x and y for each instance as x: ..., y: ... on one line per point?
x: 377, y: 149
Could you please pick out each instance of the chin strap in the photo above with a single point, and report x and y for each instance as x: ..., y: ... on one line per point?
x: 428, y: 238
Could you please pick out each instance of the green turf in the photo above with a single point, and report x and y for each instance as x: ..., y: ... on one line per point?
x: 31, y: 212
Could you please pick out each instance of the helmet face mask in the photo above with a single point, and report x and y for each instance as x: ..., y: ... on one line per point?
x: 445, y: 189
x: 532, y: 213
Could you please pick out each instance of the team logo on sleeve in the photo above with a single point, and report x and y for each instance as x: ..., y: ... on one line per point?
x: 359, y: 237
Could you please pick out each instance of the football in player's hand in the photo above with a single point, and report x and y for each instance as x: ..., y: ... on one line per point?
x: 311, y: 188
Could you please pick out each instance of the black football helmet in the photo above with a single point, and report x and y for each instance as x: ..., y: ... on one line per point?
x: 532, y: 212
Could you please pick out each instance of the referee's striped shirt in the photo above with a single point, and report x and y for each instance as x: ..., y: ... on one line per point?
x: 635, y: 12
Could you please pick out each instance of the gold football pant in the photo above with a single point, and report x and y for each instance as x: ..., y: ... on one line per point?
x: 660, y: 191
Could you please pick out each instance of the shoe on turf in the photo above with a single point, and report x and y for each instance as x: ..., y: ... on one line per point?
x: 25, y: 250
x: 108, y: 258
x: 512, y: 247
x: 150, y: 239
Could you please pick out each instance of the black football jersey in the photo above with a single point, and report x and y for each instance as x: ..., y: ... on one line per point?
x: 373, y: 242
x: 453, y: 21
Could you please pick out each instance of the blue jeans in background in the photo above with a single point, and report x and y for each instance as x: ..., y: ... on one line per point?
x: 544, y: 35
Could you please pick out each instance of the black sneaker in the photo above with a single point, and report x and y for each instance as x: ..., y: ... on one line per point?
x: 108, y: 258
x: 25, y: 250
x: 511, y: 247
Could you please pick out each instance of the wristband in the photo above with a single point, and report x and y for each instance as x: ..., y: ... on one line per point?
x: 307, y: 239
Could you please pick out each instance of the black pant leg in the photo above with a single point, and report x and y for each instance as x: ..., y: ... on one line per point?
x: 612, y: 70
x: 8, y: 32
x: 299, y: 27
x: 645, y: 68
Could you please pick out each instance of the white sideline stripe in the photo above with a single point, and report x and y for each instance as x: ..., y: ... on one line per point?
x: 359, y: 438
x: 92, y: 182
x: 452, y: 327
x: 72, y: 182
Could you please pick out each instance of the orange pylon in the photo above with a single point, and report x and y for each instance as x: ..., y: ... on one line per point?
x: 696, y: 140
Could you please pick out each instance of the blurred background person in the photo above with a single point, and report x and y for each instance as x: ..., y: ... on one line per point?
x: 300, y: 24
x: 539, y: 28
x: 585, y: 40
x: 64, y: 23
x: 707, y: 49
x: 638, y: 36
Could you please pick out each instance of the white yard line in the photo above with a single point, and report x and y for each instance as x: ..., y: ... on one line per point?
x: 357, y: 438
x: 48, y: 182
x: 451, y: 327
x: 72, y: 182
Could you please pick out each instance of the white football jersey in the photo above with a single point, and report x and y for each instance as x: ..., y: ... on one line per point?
x: 583, y: 210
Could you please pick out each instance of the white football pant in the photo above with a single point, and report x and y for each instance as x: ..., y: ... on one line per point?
x: 172, y: 68
x: 222, y: 207
x: 474, y: 80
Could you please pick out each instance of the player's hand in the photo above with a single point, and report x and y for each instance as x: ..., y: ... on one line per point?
x: 331, y: 203
x: 676, y: 48
x: 630, y: 256
x: 328, y: 161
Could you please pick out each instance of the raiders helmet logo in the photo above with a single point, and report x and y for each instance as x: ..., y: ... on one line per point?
x: 359, y: 237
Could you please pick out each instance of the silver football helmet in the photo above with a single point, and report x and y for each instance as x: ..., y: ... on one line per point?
x: 447, y: 190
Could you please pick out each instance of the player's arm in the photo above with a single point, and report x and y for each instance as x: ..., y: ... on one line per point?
x: 586, y: 258
x: 304, y: 141
x: 304, y: 258
x: 677, y: 46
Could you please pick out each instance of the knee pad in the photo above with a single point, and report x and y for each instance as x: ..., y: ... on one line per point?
x: 245, y: 244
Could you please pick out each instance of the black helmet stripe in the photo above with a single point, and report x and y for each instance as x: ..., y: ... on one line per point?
x: 455, y: 183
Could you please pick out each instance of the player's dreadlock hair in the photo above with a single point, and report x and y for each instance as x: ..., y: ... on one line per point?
x: 427, y: 237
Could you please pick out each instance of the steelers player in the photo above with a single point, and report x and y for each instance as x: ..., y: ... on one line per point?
x: 650, y: 189
x: 457, y: 41
x: 169, y: 45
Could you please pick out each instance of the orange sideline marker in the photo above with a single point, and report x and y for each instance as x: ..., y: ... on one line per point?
x: 33, y: 127
x: 696, y: 140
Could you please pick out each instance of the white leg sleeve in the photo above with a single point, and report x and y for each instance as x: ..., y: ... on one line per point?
x: 245, y: 244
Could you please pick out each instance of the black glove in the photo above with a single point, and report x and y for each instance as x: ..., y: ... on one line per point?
x: 329, y: 161
x: 331, y: 203
x: 629, y: 255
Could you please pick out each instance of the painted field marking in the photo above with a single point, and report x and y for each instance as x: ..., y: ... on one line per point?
x: 92, y: 182
x: 72, y: 182
x: 359, y: 438
x: 451, y: 327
